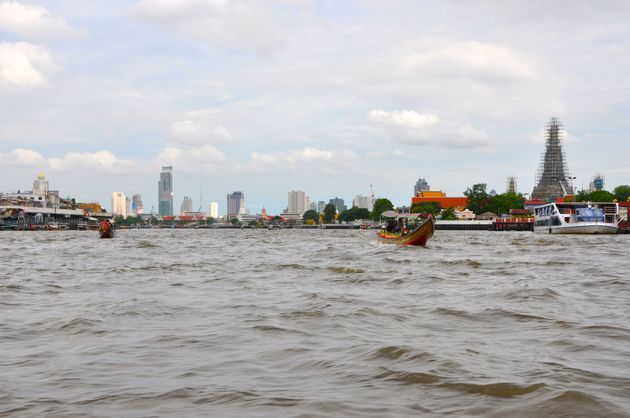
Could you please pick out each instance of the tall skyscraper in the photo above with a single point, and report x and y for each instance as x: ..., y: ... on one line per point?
x: 214, y: 210
x: 235, y: 204
x: 320, y: 206
x: 339, y: 204
x: 119, y: 204
x: 313, y: 206
x: 136, y: 204
x: 297, y: 202
x: 421, y: 186
x: 165, y: 192
x: 364, y: 202
x: 553, y: 180
x: 187, y: 205
x: 128, y: 211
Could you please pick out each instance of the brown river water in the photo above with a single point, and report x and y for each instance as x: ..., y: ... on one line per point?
x: 313, y: 323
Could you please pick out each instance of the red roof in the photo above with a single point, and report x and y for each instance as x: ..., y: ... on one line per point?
x: 445, y: 202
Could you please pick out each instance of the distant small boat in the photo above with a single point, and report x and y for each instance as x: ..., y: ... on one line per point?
x: 419, y: 235
x: 105, y: 229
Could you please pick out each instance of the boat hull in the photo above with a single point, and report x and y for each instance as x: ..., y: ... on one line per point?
x: 418, y: 236
x: 592, y: 229
x: 106, y: 234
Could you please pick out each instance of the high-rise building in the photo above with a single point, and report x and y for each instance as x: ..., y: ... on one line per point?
x: 128, y: 206
x: 40, y: 186
x: 236, y: 204
x: 363, y: 202
x: 214, y: 210
x: 119, y: 204
x: 339, y: 204
x: 421, y: 186
x: 136, y: 204
x: 187, y: 205
x: 553, y: 180
x: 313, y: 206
x: 320, y: 206
x: 597, y: 183
x: 165, y: 192
x: 297, y: 202
x: 511, y: 185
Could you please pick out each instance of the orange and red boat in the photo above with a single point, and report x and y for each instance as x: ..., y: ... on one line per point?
x: 105, y: 229
x: 419, y: 235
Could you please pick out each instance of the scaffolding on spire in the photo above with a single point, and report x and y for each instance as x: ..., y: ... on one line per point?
x: 553, y: 180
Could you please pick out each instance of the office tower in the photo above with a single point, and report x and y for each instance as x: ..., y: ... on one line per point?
x: 214, y: 210
x: 553, y: 180
x: 128, y: 206
x: 364, y: 202
x: 313, y: 206
x: 136, y: 204
x: 421, y: 186
x: 339, y: 204
x: 297, y: 202
x: 119, y: 204
x: 235, y: 204
x: 320, y: 206
x: 165, y: 192
x: 187, y: 205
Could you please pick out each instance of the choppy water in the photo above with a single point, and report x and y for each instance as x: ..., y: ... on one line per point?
x: 242, y: 323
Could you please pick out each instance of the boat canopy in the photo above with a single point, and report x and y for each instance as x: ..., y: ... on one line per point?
x: 394, y: 214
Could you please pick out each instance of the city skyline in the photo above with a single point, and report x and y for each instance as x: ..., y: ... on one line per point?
x: 327, y: 98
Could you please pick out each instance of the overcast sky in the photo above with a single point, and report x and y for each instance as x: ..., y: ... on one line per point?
x: 328, y: 97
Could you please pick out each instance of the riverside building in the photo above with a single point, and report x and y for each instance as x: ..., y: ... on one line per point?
x: 119, y: 204
x: 236, y: 204
x: 165, y: 192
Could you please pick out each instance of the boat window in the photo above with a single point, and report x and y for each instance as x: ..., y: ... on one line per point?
x: 590, y: 215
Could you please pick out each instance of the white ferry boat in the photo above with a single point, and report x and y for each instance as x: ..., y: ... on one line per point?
x: 577, y: 218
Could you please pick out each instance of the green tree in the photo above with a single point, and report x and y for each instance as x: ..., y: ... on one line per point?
x: 427, y: 207
x: 601, y: 196
x: 448, y: 214
x: 478, y: 198
x: 354, y: 213
x: 329, y: 213
x: 622, y: 193
x: 311, y: 215
x: 582, y: 196
x: 381, y: 205
x: 502, y: 203
x: 210, y: 220
x: 234, y: 221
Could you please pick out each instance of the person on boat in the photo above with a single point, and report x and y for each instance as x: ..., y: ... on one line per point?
x: 105, y: 225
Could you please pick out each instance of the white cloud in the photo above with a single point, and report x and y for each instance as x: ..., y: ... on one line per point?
x: 295, y: 159
x: 218, y: 23
x: 100, y: 160
x: 468, y: 59
x: 24, y: 65
x: 188, y: 132
x: 205, y: 158
x: 403, y: 118
x: 411, y: 128
x: 32, y: 22
x: 23, y: 158
x: 103, y: 161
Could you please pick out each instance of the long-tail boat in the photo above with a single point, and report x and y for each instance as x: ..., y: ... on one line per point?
x: 418, y: 235
x: 105, y: 229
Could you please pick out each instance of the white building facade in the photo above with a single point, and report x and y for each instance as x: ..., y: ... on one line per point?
x: 363, y: 202
x: 214, y: 210
x: 119, y: 204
